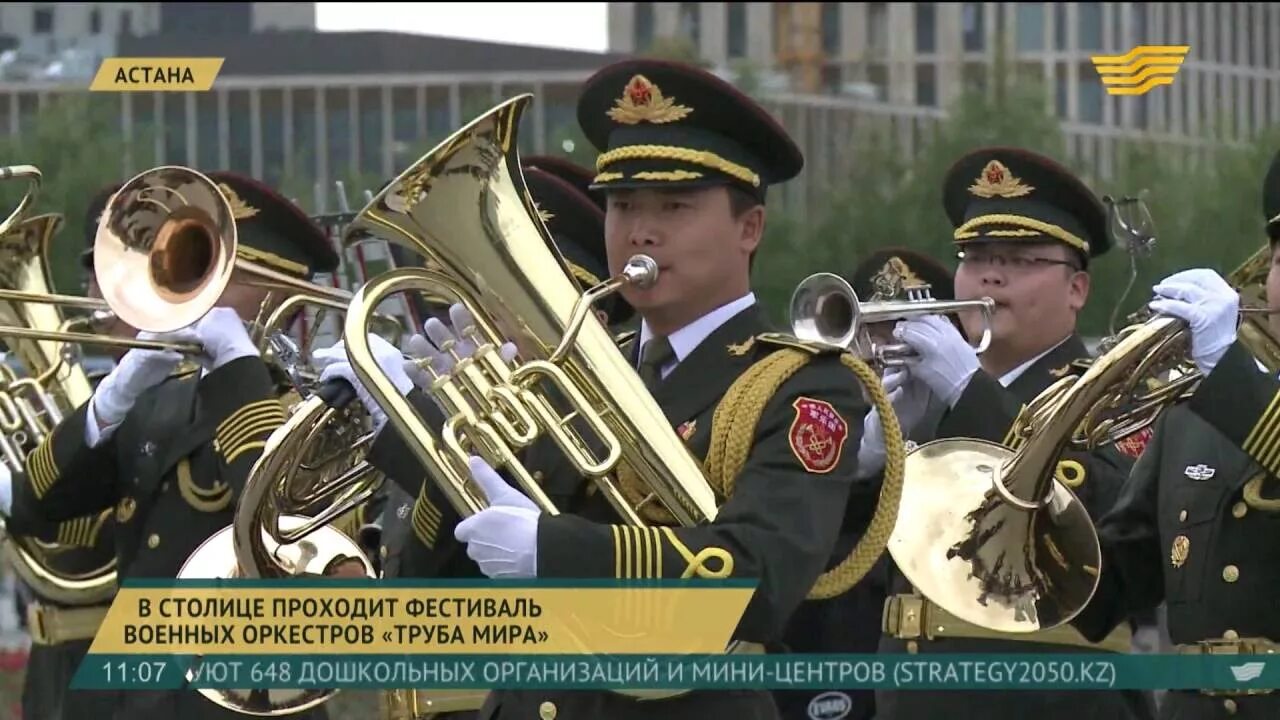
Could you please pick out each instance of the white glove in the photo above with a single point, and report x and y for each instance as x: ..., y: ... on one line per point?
x: 910, y: 399
x: 224, y: 337
x: 136, y: 372
x: 433, y: 346
x: 391, y: 361
x: 502, y: 538
x: 947, y: 361
x: 6, y: 490
x: 1208, y: 304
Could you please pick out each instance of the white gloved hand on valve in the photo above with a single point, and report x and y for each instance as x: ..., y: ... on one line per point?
x: 391, y: 361
x: 138, y: 371
x: 503, y: 538
x: 947, y: 361
x: 224, y: 337
x: 441, y: 338
x: 910, y: 400
x: 1208, y: 305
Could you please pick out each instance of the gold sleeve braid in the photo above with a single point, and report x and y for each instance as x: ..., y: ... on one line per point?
x: 41, y: 468
x: 246, y: 429
x: 82, y: 531
x: 733, y: 430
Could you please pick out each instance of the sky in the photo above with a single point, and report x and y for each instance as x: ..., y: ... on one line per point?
x: 577, y: 26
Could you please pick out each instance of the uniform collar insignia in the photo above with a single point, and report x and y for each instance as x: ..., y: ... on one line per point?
x: 1062, y: 371
x: 239, y: 208
x: 543, y: 214
x: 642, y: 101
x: 740, y: 349
x: 997, y: 181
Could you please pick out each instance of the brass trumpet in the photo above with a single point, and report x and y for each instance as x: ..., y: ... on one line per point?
x: 825, y: 308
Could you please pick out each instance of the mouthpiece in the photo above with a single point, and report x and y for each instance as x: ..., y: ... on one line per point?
x: 641, y: 271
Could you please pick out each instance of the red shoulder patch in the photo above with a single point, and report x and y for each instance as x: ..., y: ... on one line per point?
x: 817, y: 435
x: 1134, y: 443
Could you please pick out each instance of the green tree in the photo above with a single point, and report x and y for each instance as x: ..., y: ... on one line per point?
x: 77, y: 144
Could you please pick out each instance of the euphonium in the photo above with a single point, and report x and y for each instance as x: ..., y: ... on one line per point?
x: 32, y: 405
x: 825, y: 309
x: 464, y: 208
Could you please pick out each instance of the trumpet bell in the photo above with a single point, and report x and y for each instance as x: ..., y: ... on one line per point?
x: 165, y: 248
x: 985, y: 560
x: 824, y: 308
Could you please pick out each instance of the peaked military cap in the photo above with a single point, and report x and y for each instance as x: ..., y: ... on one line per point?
x: 568, y: 171
x: 1004, y: 194
x: 665, y: 124
x: 577, y: 224
x: 93, y: 213
x: 1271, y: 198
x: 888, y: 273
x: 273, y: 231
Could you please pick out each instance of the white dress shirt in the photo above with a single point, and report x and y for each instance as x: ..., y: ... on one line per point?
x: 1007, y: 379
x: 687, y: 339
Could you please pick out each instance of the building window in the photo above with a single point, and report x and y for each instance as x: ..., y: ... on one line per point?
x: 831, y: 29
x: 1241, y: 48
x: 1062, y: 88
x: 1138, y: 20
x: 971, y: 19
x: 975, y: 77
x: 831, y: 79
x: 126, y: 23
x: 42, y: 21
x: 1031, y: 26
x: 1090, y: 94
x: 1233, y: 49
x: 926, y: 28
x: 1090, y: 18
x: 643, y: 26
x: 1117, y: 27
x: 95, y: 21
x: 878, y: 78
x: 691, y: 23
x: 1060, y: 26
x: 877, y: 26
x: 737, y: 30
x: 1266, y: 36
x: 927, y: 85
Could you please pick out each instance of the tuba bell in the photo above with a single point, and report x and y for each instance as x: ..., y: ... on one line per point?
x: 825, y: 309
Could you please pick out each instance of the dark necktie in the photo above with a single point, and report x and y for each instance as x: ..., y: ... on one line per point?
x: 656, y: 353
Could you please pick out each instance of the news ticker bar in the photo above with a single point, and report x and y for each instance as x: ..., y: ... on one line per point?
x: 682, y: 672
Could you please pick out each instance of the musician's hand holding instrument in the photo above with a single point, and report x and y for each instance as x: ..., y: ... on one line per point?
x: 947, y: 360
x: 1210, y: 306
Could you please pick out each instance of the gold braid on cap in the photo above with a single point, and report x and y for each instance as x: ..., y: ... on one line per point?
x: 969, y: 230
x: 678, y: 154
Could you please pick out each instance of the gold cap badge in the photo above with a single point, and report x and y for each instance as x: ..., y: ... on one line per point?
x: 239, y: 208
x: 642, y: 101
x: 893, y: 278
x: 997, y: 181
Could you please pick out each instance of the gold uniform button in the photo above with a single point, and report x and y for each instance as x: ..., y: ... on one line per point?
x: 1231, y: 635
x: 537, y: 476
x: 153, y: 541
x: 1239, y: 510
x: 547, y: 711
x: 1182, y: 516
x: 383, y: 551
x: 1231, y: 573
x: 913, y: 647
x: 124, y: 511
x: 1229, y: 705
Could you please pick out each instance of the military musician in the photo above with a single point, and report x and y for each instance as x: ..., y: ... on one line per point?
x: 169, y: 452
x: 1195, y: 526
x: 1026, y: 229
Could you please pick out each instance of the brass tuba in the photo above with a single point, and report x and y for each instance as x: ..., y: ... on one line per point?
x: 32, y: 405
x: 464, y: 208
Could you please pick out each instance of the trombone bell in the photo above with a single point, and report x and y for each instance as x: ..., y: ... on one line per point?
x: 825, y: 309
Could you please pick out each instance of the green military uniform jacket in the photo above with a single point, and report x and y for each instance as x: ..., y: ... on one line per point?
x: 1184, y: 534
x: 172, y: 471
x: 778, y: 527
x: 987, y: 410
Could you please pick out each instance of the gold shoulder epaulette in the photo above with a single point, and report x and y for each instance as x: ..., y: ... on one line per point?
x: 791, y: 341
